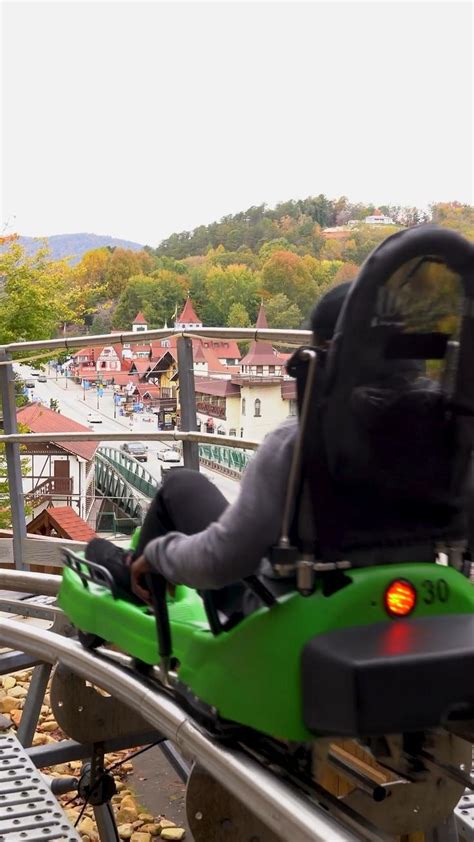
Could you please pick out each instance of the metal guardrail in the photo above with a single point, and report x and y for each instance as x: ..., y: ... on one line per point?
x: 131, y: 470
x: 233, y: 458
x: 243, y: 334
x: 115, y: 487
x: 189, y: 436
x: 170, y: 435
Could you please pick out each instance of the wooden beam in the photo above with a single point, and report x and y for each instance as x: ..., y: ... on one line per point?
x: 39, y: 551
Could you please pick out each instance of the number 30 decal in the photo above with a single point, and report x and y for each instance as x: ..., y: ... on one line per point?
x: 435, y: 591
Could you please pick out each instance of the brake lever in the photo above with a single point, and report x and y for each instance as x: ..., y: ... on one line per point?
x: 157, y: 586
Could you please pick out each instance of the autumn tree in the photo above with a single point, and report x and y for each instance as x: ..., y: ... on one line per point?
x: 286, y: 273
x: 455, y: 215
x: 346, y: 272
x: 39, y: 296
x: 125, y: 264
x: 364, y: 239
x: 94, y: 265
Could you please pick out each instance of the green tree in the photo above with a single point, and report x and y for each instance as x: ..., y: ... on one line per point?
x: 156, y: 296
x: 238, y: 316
x: 281, y: 313
x: 5, y: 493
x: 278, y: 244
x: 225, y: 286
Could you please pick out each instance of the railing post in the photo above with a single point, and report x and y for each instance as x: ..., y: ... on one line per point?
x: 12, y: 453
x: 187, y: 400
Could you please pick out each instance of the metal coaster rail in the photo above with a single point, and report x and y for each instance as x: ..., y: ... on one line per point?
x: 281, y: 807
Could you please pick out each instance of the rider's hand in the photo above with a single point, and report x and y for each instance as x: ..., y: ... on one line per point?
x: 140, y: 567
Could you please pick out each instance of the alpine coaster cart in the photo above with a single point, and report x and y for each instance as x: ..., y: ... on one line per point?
x: 356, y: 684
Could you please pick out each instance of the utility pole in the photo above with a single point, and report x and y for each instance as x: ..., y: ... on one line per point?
x: 187, y: 400
x: 12, y: 453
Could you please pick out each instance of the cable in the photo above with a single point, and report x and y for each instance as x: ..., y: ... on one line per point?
x: 135, y: 754
x: 109, y: 769
x: 81, y: 813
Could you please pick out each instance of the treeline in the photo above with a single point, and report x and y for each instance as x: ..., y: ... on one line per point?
x: 280, y: 256
x: 298, y: 221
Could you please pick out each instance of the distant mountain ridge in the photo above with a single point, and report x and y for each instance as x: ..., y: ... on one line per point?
x: 75, y: 245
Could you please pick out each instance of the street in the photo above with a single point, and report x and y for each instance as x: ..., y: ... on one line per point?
x: 76, y: 403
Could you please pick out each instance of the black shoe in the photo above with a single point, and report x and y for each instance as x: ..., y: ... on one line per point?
x: 117, y: 561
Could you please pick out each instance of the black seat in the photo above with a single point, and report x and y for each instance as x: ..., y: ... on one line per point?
x: 388, y: 444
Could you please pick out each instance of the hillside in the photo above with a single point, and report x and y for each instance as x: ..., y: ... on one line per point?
x: 297, y: 223
x: 75, y: 245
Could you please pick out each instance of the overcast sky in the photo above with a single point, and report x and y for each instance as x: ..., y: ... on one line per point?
x: 140, y: 119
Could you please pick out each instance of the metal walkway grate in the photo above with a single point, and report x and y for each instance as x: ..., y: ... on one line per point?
x: 464, y: 813
x: 28, y: 810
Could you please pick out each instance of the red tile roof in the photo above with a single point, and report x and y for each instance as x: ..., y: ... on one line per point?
x: 140, y: 365
x: 65, y: 520
x: 139, y: 319
x: 213, y: 386
x: 224, y: 348
x: 150, y: 390
x: 207, y: 355
x: 135, y: 349
x: 188, y: 315
x: 39, y: 419
x: 122, y: 378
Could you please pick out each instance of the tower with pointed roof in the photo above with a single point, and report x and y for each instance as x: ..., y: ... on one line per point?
x: 187, y: 320
x: 261, y: 360
x: 139, y: 323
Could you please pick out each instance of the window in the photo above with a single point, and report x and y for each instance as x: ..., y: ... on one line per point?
x: 232, y: 432
x: 293, y: 407
x: 260, y: 369
x: 243, y: 406
x: 271, y: 369
x: 257, y: 408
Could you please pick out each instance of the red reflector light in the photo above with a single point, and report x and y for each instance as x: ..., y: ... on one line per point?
x: 400, y: 598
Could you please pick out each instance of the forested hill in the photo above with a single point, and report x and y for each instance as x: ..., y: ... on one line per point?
x: 298, y: 222
x: 74, y: 245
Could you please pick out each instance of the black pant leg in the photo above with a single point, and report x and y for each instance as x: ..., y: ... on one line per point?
x: 186, y: 502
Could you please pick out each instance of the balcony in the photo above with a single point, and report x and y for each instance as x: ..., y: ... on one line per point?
x: 49, y: 488
x: 211, y: 409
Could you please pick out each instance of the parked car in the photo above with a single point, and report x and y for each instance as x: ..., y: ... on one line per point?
x: 42, y: 378
x: 135, y: 449
x: 30, y: 384
x: 93, y: 418
x: 169, y: 455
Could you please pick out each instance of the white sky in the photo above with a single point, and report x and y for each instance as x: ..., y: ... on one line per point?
x: 140, y: 119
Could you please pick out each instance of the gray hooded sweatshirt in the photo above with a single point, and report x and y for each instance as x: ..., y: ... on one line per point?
x: 234, y: 546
